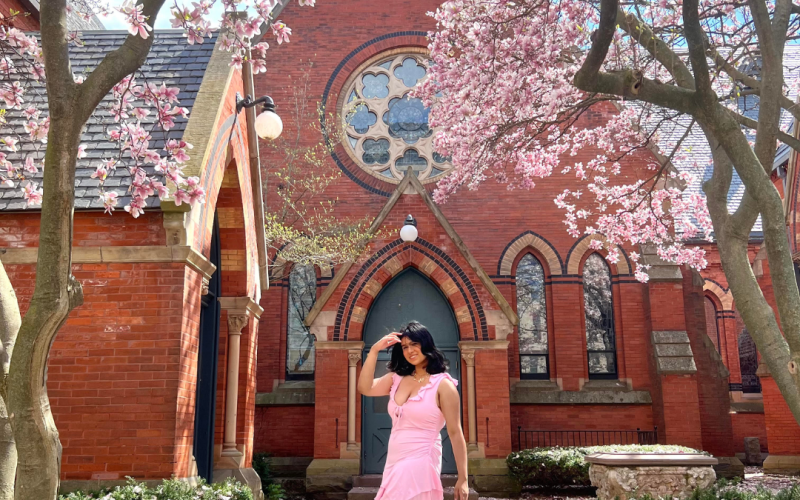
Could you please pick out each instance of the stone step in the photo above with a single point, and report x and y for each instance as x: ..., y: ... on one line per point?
x: 369, y: 493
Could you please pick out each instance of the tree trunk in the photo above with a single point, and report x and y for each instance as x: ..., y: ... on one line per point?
x: 9, y: 326
x: 56, y: 294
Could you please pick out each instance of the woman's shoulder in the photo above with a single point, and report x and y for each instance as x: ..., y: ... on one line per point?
x: 443, y: 379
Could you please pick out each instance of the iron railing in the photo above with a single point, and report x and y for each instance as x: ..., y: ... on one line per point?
x: 543, y: 439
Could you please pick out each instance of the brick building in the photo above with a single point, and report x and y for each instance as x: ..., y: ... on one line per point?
x: 542, y: 332
x: 543, y: 335
x: 154, y: 375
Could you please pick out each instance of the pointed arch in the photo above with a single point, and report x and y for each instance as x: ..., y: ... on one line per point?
x: 580, y: 249
x: 430, y: 260
x: 723, y: 295
x: 532, y: 240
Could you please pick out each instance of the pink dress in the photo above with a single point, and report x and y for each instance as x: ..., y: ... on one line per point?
x: 414, y: 458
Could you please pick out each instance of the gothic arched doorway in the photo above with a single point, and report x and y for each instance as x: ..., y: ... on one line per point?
x: 410, y: 296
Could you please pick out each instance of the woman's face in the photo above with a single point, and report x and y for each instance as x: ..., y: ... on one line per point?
x: 412, y: 351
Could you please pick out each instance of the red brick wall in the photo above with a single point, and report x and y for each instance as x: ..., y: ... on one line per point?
x: 712, y: 380
x: 330, y: 403
x: 783, y: 432
x: 579, y: 417
x: 749, y: 425
x: 285, y: 431
x: 492, y: 398
x: 115, y: 372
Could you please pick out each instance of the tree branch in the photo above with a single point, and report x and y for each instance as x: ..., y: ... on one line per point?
x: 118, y: 64
x: 601, y: 40
x: 696, y: 40
x: 55, y: 49
x: 785, y: 138
x: 721, y: 62
x: 660, y: 51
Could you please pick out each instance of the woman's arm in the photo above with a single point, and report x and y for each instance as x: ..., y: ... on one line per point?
x: 368, y: 385
x: 449, y: 403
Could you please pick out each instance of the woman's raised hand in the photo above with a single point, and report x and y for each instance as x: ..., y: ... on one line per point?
x: 386, y: 342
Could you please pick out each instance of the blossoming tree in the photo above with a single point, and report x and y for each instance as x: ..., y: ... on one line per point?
x: 513, y: 81
x: 31, y: 66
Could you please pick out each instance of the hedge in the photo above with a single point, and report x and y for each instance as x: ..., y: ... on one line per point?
x: 169, y: 489
x: 554, y: 467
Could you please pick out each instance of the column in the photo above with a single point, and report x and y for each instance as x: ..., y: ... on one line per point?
x: 236, y: 322
x: 353, y: 357
x: 472, y: 423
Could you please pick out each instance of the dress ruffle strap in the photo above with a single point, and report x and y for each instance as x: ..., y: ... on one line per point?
x: 434, y: 381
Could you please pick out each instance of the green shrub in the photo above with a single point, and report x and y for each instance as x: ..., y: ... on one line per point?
x: 263, y: 467
x: 724, y: 490
x: 169, y: 489
x: 566, y: 466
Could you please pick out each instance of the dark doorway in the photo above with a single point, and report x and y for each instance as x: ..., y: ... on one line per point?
x: 410, y: 296
x: 206, y: 389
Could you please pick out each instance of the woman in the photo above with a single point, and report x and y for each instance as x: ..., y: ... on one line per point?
x: 422, y: 399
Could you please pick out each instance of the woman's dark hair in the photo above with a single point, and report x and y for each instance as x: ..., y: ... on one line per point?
x: 415, y: 332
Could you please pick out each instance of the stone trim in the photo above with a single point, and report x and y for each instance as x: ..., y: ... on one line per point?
x: 530, y: 395
x: 120, y: 254
x: 346, y: 345
x: 673, y: 353
x: 523, y: 241
x: 472, y: 345
x: 244, y: 305
x: 411, y: 181
x: 580, y: 248
x: 650, y: 459
x: 724, y: 295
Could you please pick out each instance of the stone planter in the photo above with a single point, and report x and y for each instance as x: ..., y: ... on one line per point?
x: 624, y: 476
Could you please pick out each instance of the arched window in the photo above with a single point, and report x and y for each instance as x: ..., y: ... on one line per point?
x: 532, y: 312
x: 299, y: 341
x: 599, y: 311
x: 748, y: 363
x: 711, y: 322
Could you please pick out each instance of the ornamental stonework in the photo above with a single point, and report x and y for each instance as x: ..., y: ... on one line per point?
x: 386, y: 128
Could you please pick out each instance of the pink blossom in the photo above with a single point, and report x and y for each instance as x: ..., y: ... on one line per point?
x: 10, y: 144
x: 30, y: 166
x: 281, y: 32
x: 32, y: 194
x: 136, y: 20
x: 109, y: 201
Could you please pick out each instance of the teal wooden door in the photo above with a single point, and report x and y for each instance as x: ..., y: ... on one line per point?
x: 410, y: 296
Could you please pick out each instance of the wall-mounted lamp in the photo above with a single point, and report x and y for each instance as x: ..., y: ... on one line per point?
x: 409, y: 233
x: 268, y: 124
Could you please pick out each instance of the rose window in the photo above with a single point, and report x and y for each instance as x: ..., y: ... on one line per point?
x: 386, y: 127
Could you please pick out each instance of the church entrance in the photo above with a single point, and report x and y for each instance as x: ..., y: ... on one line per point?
x: 410, y: 296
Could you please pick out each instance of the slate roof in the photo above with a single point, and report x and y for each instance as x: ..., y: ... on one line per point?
x: 698, y: 154
x: 171, y: 61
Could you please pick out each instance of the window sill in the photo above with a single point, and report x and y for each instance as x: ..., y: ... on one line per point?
x: 290, y: 393
x: 524, y: 392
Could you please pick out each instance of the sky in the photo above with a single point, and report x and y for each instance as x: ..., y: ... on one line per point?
x: 116, y: 21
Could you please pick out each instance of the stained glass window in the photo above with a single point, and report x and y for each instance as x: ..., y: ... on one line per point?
x: 382, y: 119
x: 532, y: 312
x: 748, y: 363
x: 299, y: 341
x: 599, y: 313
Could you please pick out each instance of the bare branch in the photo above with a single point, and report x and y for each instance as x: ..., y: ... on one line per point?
x: 696, y: 40
x: 117, y: 65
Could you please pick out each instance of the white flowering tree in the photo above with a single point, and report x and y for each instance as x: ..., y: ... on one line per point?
x: 513, y: 86
x: 31, y: 66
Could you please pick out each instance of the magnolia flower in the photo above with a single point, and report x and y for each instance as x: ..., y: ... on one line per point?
x: 32, y: 194
x: 281, y: 32
x: 135, y: 19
